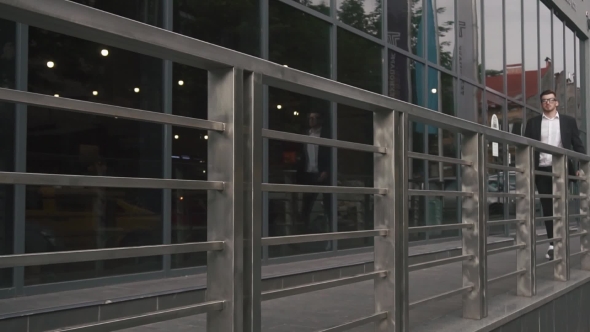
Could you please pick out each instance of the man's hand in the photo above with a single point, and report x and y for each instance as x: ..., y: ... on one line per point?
x: 323, y: 176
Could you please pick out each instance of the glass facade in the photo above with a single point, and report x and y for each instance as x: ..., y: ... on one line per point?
x: 481, y: 60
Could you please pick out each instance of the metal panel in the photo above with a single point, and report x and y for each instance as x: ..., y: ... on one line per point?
x: 225, y: 209
x: 560, y: 226
x: 526, y: 231
x: 474, y: 239
x: 585, y: 220
x: 391, y: 251
x: 252, y: 201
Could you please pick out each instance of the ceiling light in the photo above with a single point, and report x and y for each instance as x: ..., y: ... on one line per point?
x: 279, y: 107
x: 206, y: 137
x: 181, y: 82
x: 104, y: 52
x: 285, y: 66
x: 56, y: 95
x: 204, y: 171
x: 95, y: 93
x: 136, y: 90
x: 433, y: 90
x: 176, y: 136
x: 181, y: 198
x: 296, y: 113
x: 50, y: 64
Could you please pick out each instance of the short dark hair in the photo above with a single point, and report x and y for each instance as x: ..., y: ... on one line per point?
x: 547, y: 92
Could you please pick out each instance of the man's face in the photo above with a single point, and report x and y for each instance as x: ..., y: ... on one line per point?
x: 314, y: 120
x: 549, y: 102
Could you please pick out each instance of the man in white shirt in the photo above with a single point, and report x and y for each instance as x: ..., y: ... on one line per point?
x: 558, y: 130
x: 314, y: 165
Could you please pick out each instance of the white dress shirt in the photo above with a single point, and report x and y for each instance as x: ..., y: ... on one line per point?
x: 550, y: 134
x: 312, y: 152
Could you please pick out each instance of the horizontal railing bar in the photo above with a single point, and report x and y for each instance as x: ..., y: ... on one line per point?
x: 429, y: 157
x: 555, y: 261
x: 37, y: 179
x: 503, y: 222
x: 543, y: 241
x: 149, y: 318
x: 277, y: 294
x: 547, y: 196
x: 106, y: 28
x: 59, y: 257
x: 439, y: 193
x: 505, y: 168
x: 551, y: 174
x: 441, y: 296
x: 579, y: 253
x: 280, y: 135
x: 581, y: 215
x: 438, y: 262
x: 357, y: 323
x: 47, y: 101
x: 419, y: 229
x: 579, y: 233
x: 577, y: 196
x: 278, y: 240
x: 547, y: 218
x: 579, y: 178
x: 505, y: 249
x: 506, y: 276
x: 297, y: 188
x: 505, y: 195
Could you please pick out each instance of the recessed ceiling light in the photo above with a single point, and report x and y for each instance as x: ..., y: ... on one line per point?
x: 50, y: 64
x: 104, y: 52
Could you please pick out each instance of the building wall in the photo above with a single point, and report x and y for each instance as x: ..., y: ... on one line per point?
x: 473, y: 59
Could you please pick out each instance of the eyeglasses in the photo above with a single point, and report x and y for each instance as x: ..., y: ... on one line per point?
x: 547, y: 101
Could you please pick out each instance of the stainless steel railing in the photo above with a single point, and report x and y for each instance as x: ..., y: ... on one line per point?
x: 234, y: 296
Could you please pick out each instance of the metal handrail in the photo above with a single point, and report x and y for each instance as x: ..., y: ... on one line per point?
x: 506, y: 276
x: 297, y: 188
x: 419, y: 229
x: 375, y: 318
x: 438, y: 262
x: 504, y: 222
x: 506, y: 249
x: 298, y: 138
x: 428, y: 157
x: 441, y: 296
x: 279, y: 240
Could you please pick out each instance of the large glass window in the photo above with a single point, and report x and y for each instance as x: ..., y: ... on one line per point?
x: 514, y: 70
x: 7, y: 121
x: 298, y: 40
x: 581, y: 116
x: 559, y: 62
x: 494, y: 45
x: 322, y: 6
x: 531, y: 48
x: 146, y: 11
x: 364, y: 15
x: 570, y: 73
x: 469, y: 41
x: 400, y: 32
x: 232, y: 23
x: 444, y: 27
x: 545, y: 59
x: 80, y: 144
x: 359, y: 62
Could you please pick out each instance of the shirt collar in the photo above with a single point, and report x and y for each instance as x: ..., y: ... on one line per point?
x: 548, y: 118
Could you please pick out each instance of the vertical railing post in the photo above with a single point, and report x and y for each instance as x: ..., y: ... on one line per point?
x: 474, y: 238
x: 225, y: 208
x: 526, y: 229
x: 561, y: 223
x: 585, y: 220
x: 252, y: 201
x: 391, y: 213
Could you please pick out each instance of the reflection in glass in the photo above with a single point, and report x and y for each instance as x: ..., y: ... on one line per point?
x: 7, y: 124
x: 580, y: 116
x: 469, y: 102
x: 359, y: 62
x: 405, y: 78
x: 444, y: 31
x: 398, y: 15
x: 494, y: 46
x: 559, y: 62
x: 545, y: 59
x: 514, y: 49
x: 322, y: 6
x: 76, y: 218
x: 469, y: 41
x: 495, y: 105
x: 531, y: 47
x: 231, y: 23
x: 189, y: 224
x: 364, y: 15
x: 298, y: 40
x: 570, y: 73
x: 146, y: 11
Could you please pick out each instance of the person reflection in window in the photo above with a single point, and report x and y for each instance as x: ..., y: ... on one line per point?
x: 313, y: 169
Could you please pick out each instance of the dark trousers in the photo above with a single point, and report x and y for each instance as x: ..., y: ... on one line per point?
x: 309, y: 199
x: 545, y: 186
